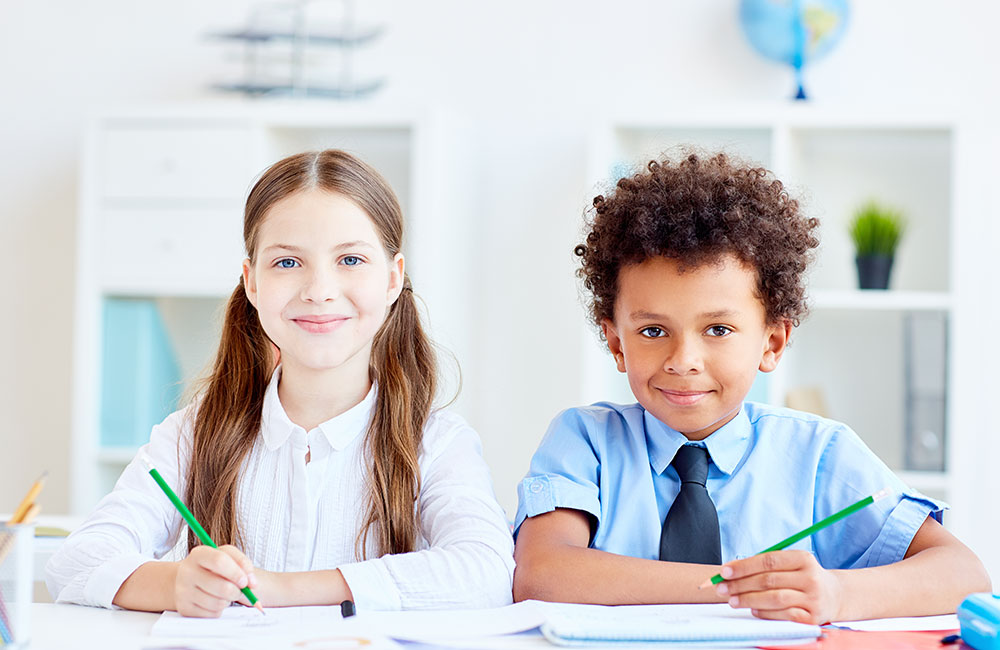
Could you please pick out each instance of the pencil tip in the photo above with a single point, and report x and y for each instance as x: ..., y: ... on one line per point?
x: 881, y: 494
x: 705, y: 584
x: 260, y: 608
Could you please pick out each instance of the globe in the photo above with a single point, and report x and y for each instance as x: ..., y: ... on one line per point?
x: 794, y: 32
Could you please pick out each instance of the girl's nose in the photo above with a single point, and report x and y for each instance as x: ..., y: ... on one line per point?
x: 321, y: 286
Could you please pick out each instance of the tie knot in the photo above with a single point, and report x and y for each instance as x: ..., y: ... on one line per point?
x: 691, y: 463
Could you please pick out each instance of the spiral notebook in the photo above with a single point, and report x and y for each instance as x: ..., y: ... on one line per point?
x: 682, y: 625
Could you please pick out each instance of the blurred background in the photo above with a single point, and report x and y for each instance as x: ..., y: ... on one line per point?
x: 130, y: 140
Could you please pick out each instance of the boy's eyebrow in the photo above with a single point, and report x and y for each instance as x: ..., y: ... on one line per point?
x: 648, y: 315
x: 299, y: 249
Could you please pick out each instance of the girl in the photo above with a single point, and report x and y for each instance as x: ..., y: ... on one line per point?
x: 326, y: 478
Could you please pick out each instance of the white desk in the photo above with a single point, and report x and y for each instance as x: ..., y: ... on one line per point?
x: 61, y: 627
x: 64, y: 627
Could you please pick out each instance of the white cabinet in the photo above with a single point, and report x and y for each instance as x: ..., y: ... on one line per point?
x: 877, y: 359
x: 160, y: 245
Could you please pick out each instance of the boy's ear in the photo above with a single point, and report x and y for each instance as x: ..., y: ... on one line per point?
x: 774, y: 346
x: 614, y: 343
x: 249, y: 283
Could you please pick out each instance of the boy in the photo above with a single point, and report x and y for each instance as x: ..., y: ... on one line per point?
x: 695, y: 271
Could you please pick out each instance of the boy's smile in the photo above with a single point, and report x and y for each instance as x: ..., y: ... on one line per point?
x: 691, y: 342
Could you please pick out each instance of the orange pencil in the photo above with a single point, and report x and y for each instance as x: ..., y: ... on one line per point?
x: 28, y: 500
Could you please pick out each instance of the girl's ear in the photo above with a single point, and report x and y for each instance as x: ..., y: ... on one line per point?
x: 397, y: 276
x: 249, y: 283
x: 614, y: 343
x: 774, y: 346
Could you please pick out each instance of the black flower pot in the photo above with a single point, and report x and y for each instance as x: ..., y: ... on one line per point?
x: 873, y: 271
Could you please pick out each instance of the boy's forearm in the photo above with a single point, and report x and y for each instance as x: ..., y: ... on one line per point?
x: 150, y: 588
x: 933, y: 581
x: 573, y: 574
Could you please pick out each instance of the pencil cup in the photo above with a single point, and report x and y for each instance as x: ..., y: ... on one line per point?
x: 16, y: 562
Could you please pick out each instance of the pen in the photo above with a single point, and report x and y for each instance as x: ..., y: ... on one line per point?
x: 191, y: 521
x: 819, y: 525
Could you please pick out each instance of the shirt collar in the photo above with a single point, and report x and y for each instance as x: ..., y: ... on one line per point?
x: 339, y: 431
x: 727, y: 446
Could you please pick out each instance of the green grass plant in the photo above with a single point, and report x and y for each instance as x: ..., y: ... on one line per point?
x: 876, y: 229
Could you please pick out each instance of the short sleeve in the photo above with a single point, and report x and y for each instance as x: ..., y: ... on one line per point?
x: 564, y: 472
x: 878, y: 534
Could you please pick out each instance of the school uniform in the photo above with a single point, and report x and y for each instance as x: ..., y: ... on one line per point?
x: 772, y: 472
x: 299, y: 516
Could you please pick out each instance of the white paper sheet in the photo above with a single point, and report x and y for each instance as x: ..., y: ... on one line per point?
x: 296, y: 621
x: 914, y: 624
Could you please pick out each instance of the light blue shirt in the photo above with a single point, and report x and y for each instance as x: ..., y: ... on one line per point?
x: 773, y: 472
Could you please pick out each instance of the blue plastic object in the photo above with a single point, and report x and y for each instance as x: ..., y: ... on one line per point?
x: 979, y: 617
x: 140, y: 377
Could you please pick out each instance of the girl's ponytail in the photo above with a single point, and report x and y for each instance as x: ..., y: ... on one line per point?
x: 228, y: 420
x: 404, y: 368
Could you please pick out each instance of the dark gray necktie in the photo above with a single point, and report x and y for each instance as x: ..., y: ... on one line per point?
x: 691, y: 527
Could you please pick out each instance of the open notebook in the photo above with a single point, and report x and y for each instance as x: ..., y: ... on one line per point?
x: 689, y: 625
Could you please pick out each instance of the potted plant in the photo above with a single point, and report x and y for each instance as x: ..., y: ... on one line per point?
x: 876, y: 230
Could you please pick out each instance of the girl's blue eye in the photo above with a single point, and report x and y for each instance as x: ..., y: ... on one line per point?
x: 352, y: 260
x: 653, y: 332
x: 719, y: 330
x: 287, y: 263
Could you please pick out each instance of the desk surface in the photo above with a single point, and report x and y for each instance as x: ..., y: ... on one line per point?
x: 58, y: 627
x: 72, y: 626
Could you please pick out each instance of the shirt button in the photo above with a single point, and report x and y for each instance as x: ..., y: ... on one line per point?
x: 536, y: 487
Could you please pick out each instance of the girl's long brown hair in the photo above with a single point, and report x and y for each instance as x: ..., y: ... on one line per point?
x: 402, y: 365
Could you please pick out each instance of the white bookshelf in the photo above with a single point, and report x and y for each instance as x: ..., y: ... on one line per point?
x: 160, y: 217
x: 850, y: 347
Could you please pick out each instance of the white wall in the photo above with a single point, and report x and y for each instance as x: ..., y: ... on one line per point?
x: 521, y: 82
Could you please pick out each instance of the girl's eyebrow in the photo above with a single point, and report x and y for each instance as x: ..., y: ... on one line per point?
x: 359, y: 243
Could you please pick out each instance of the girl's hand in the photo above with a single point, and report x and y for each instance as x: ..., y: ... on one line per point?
x: 209, y: 580
x: 785, y: 585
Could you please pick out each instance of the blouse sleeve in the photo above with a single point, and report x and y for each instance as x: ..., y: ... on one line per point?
x: 469, y: 561
x: 132, y: 525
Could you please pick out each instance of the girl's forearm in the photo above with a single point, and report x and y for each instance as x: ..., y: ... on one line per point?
x: 150, y: 588
x: 308, y: 588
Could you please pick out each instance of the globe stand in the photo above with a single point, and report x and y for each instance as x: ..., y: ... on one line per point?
x: 800, y: 93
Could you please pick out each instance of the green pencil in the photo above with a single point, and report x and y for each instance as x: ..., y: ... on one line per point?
x: 819, y: 525
x: 191, y: 521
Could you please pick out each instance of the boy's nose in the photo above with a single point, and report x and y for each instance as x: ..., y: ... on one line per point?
x: 685, y: 358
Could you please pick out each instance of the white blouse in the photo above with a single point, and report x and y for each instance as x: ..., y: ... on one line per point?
x: 299, y: 516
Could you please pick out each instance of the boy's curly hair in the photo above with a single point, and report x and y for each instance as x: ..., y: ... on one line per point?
x: 695, y: 211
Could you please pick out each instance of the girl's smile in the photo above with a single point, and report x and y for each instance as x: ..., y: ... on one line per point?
x: 320, y: 324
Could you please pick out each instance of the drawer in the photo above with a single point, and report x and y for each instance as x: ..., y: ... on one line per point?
x: 178, y: 252
x: 150, y: 162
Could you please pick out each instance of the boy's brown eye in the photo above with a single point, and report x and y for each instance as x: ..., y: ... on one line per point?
x: 652, y: 332
x: 718, y: 330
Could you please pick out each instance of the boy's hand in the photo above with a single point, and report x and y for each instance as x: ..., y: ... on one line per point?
x: 785, y: 585
x: 209, y: 580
